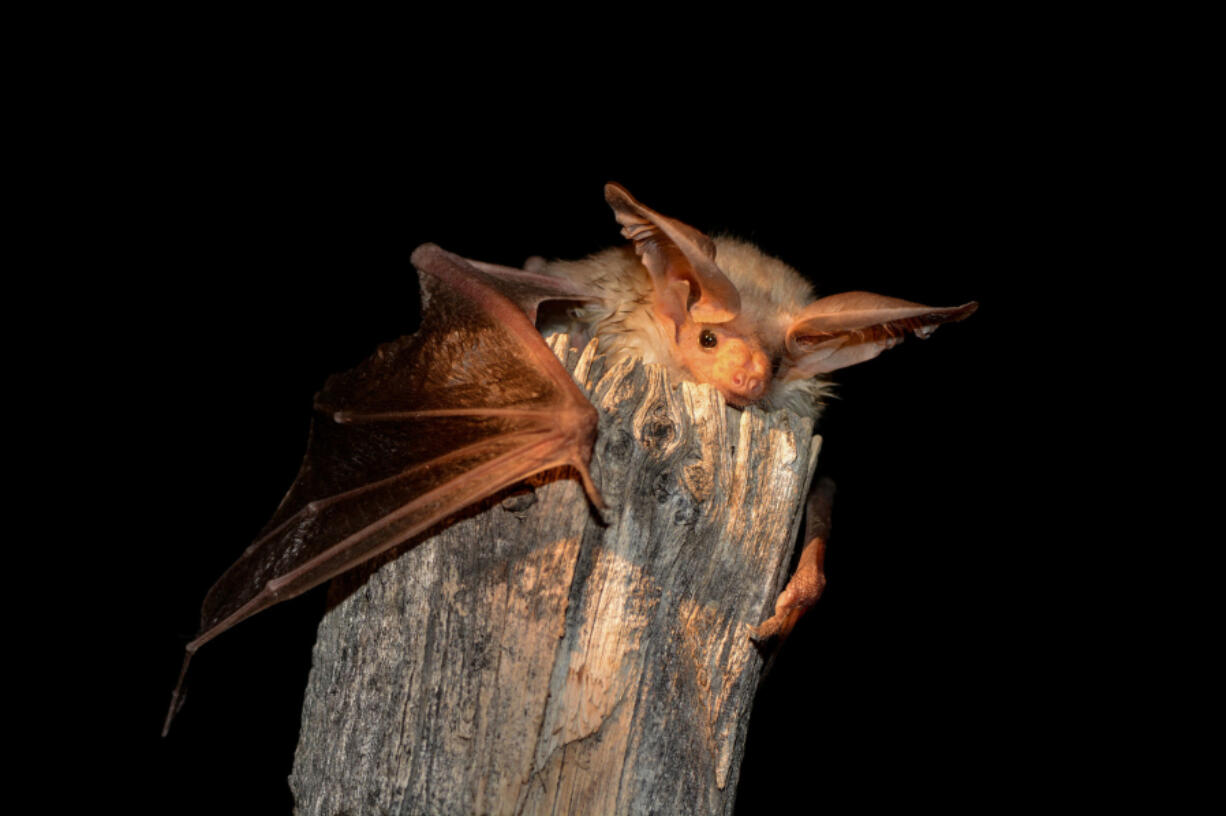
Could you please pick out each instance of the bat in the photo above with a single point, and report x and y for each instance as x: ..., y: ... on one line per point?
x: 475, y: 401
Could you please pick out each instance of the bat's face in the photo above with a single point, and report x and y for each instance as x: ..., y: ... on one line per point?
x: 730, y: 360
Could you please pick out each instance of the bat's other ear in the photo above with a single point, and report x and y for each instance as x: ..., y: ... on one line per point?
x: 527, y: 288
x: 841, y: 330
x: 681, y: 261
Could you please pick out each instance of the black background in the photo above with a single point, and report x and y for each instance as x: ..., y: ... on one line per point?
x: 272, y: 235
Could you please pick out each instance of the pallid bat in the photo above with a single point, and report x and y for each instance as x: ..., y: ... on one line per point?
x: 475, y: 401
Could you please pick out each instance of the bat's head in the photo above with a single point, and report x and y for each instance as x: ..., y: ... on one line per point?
x: 732, y: 361
x: 699, y: 308
x: 695, y: 301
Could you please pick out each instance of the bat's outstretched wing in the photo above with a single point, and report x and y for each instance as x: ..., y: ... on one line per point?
x: 472, y: 403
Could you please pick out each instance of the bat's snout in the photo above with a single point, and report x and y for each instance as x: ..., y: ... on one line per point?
x: 746, y: 383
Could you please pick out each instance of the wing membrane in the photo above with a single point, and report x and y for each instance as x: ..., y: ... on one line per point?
x: 472, y: 403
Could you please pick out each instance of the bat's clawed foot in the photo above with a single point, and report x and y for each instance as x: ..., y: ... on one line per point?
x: 806, y: 584
x: 802, y: 591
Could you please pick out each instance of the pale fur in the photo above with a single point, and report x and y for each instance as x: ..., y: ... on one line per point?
x: 772, y: 296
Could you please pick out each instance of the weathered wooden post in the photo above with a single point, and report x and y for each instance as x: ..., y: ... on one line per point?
x: 529, y: 659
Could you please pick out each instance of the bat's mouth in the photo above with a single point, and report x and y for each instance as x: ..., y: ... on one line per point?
x: 746, y: 393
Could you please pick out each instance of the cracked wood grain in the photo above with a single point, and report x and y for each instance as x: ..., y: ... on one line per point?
x: 528, y: 659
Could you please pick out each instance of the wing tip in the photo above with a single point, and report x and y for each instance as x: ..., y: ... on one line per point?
x: 177, y: 697
x: 965, y: 310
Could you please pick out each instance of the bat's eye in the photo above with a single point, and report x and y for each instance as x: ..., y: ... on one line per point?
x: 708, y: 339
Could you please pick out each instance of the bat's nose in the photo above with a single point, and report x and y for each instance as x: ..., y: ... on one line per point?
x: 749, y: 385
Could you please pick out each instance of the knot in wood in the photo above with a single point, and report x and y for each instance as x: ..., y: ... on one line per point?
x: 699, y: 479
x: 687, y: 513
x: 658, y: 429
x: 663, y: 487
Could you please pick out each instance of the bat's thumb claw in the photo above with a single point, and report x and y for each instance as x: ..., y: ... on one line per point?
x: 601, y: 510
x: 597, y: 502
x: 764, y: 632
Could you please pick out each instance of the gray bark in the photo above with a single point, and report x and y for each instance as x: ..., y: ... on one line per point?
x: 529, y: 659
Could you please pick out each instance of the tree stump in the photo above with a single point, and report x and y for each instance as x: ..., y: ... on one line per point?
x: 530, y: 659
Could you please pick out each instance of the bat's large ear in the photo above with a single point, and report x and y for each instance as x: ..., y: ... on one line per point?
x: 681, y: 261
x: 527, y: 288
x: 841, y: 330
